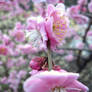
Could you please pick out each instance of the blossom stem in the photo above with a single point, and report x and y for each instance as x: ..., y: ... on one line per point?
x: 49, y: 60
x: 49, y: 56
x: 59, y: 90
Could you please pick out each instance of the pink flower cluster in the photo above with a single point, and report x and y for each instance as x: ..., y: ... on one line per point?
x: 13, y: 7
x: 78, y: 12
x: 75, y: 15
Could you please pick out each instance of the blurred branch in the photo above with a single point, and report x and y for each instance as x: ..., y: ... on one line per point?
x: 88, y: 15
x: 84, y: 41
x: 76, y: 49
x: 86, y: 61
x: 6, y: 69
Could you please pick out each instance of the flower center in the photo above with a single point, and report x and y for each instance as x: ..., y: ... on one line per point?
x: 19, y: 35
x: 60, y: 28
x: 2, y: 50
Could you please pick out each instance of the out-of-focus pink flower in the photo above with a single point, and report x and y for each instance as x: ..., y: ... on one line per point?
x: 69, y: 58
x: 90, y: 7
x: 56, y: 25
x: 19, y: 35
x: 4, y: 80
x: 13, y: 81
x: 21, y: 74
x: 3, y: 5
x: 89, y: 33
x: 80, y: 19
x: 19, y: 26
x: 73, y: 10
x: 27, y: 49
x: 90, y: 46
x: 48, y: 81
x: 33, y: 22
x: 35, y: 33
x: 82, y: 2
x: 20, y: 62
x: 84, y: 9
x: 80, y: 45
x: 3, y: 50
x: 6, y: 39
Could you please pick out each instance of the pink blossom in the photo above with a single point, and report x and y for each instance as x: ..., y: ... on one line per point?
x: 37, y: 63
x: 56, y: 25
x: 10, y: 63
x: 90, y: 7
x: 48, y: 81
x: 52, y: 29
x: 40, y: 64
x: 3, y: 50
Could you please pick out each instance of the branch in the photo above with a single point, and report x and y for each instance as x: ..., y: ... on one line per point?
x: 88, y: 15
x: 76, y: 49
x: 86, y: 61
x: 84, y: 41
